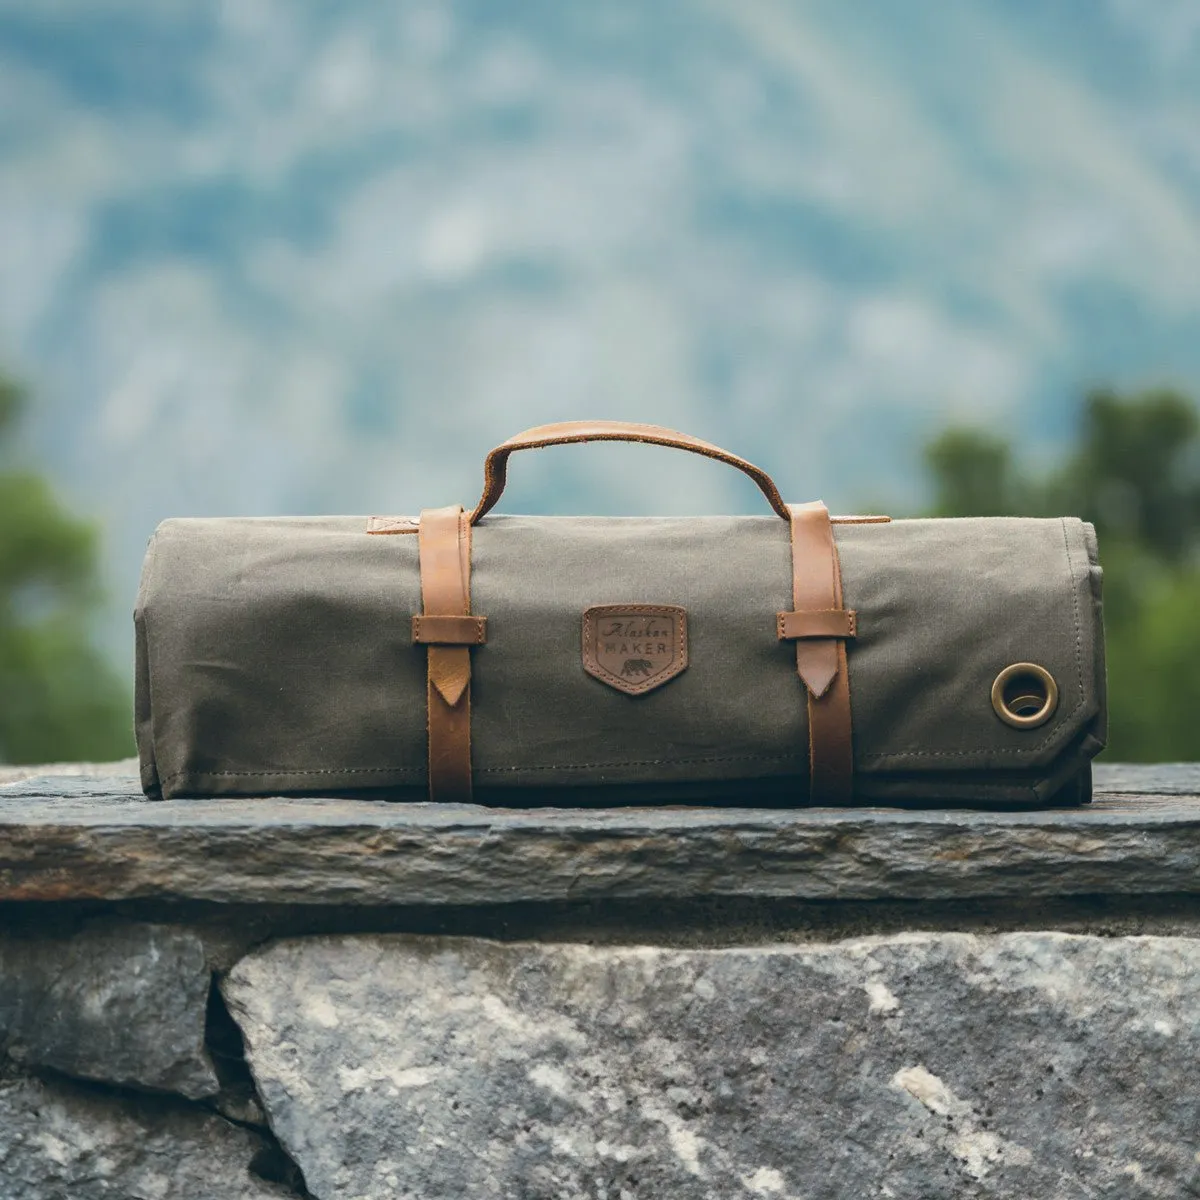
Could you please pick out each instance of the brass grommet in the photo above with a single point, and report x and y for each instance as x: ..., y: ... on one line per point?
x: 1024, y: 695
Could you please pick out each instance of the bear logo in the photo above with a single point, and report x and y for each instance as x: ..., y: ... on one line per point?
x: 635, y: 648
x: 637, y: 666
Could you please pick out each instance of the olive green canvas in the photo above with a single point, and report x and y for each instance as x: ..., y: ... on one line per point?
x: 276, y: 656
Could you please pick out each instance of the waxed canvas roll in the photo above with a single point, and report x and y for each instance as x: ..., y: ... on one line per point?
x: 276, y: 655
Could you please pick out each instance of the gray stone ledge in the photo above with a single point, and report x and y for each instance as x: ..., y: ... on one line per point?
x: 920, y: 1067
x: 96, y: 838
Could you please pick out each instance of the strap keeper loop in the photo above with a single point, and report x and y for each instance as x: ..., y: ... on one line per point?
x: 442, y: 630
x: 817, y: 623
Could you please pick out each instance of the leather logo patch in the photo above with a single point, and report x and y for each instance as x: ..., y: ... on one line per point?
x: 635, y: 647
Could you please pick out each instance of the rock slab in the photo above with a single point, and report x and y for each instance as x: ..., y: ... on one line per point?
x: 59, y: 1141
x: 916, y: 1067
x: 120, y: 1003
x: 99, y: 838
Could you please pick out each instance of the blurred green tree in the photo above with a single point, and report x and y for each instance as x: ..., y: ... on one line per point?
x: 1134, y: 472
x: 59, y: 698
x: 972, y: 474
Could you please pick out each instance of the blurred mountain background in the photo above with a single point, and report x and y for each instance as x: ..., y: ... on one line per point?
x: 268, y: 257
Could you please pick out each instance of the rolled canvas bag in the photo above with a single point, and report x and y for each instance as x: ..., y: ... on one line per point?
x: 789, y: 658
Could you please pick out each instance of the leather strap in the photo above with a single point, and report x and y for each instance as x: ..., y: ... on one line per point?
x: 446, y: 628
x: 820, y: 626
x: 495, y: 468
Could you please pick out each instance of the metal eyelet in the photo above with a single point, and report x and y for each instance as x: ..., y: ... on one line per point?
x: 1024, y: 695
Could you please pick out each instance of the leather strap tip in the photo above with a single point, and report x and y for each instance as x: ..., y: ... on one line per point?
x: 450, y: 672
x: 452, y: 690
x: 818, y: 685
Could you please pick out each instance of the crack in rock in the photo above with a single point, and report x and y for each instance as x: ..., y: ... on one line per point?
x: 120, y: 1003
x: 94, y: 1142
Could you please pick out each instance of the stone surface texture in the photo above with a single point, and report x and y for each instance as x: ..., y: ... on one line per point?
x: 126, y: 768
x: 122, y: 1003
x: 695, y: 1012
x: 916, y: 1067
x: 63, y: 1142
x: 95, y: 838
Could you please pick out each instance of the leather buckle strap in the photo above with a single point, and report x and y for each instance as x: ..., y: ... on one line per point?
x: 820, y: 626
x: 448, y: 631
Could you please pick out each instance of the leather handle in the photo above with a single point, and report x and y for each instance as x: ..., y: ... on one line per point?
x: 495, y: 468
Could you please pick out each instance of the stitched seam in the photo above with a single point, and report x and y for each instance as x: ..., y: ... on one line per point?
x: 648, y: 762
x: 288, y: 771
x: 977, y: 753
x: 1075, y: 608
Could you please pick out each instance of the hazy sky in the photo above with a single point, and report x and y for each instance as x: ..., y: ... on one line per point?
x: 277, y: 256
